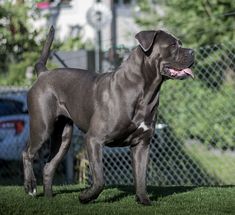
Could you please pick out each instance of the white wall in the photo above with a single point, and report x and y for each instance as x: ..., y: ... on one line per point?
x: 76, y: 15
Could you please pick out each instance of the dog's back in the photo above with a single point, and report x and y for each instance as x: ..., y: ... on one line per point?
x: 66, y: 86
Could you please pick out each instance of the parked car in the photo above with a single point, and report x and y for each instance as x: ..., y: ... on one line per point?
x: 14, y: 125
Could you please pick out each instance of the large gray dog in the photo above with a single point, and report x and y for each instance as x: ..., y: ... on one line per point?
x: 113, y: 109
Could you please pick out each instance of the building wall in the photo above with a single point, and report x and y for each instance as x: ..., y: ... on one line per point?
x: 76, y: 15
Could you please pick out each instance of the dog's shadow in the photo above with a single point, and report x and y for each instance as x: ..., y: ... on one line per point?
x: 153, y: 192
x: 125, y: 191
x: 156, y: 192
x: 62, y: 191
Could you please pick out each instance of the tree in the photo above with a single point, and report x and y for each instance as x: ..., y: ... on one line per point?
x: 207, y: 111
x: 197, y: 23
x: 16, y: 35
x: 19, y: 43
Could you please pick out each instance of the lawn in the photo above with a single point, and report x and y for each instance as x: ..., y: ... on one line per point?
x: 218, y: 163
x: 121, y: 200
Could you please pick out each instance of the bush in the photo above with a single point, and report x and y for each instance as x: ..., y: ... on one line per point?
x: 196, y: 111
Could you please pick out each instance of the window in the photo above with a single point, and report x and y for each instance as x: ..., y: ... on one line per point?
x: 10, y: 107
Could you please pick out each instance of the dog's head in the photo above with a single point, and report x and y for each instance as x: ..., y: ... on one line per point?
x: 167, y: 54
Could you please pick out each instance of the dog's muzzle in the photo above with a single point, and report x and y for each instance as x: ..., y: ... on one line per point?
x: 181, y: 73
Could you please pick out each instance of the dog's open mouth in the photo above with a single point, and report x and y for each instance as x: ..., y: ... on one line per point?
x: 181, y: 74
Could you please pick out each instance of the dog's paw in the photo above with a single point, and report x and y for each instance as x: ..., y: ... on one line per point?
x: 90, y: 194
x: 85, y: 197
x: 30, y: 188
x: 34, y: 193
x: 143, y: 199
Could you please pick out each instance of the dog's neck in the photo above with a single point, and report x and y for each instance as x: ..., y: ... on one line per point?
x: 143, y: 68
x: 150, y: 72
x: 153, y: 81
x: 130, y: 70
x: 149, y: 76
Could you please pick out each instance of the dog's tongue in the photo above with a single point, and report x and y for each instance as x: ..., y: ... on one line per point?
x: 189, y: 72
x: 182, y: 73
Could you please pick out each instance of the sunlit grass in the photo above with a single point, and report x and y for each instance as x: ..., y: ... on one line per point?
x: 121, y: 200
x: 217, y: 163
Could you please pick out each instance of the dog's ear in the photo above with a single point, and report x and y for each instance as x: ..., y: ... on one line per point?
x: 146, y: 39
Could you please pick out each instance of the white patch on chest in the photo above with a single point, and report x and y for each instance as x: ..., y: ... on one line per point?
x: 144, y: 126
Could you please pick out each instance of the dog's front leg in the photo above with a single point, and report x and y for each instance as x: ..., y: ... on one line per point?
x: 140, y: 155
x: 94, y: 151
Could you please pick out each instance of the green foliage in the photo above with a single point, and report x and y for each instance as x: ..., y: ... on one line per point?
x: 16, y: 71
x: 16, y: 35
x: 143, y: 4
x: 18, y: 44
x: 200, y: 112
x: 196, y: 23
x: 203, y: 109
x: 217, y: 165
x: 72, y: 44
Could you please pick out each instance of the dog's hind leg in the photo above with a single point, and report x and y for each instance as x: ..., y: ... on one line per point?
x: 39, y: 134
x: 41, y: 126
x: 29, y: 178
x: 60, y: 141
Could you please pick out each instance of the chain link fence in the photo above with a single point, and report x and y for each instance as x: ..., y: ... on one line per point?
x: 193, y: 144
x: 194, y: 140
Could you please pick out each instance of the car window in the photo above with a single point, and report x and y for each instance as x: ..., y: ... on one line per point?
x: 10, y: 107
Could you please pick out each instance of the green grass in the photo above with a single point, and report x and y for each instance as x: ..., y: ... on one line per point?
x: 218, y: 164
x: 121, y: 200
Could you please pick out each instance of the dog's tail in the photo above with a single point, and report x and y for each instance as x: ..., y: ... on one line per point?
x: 40, y: 66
